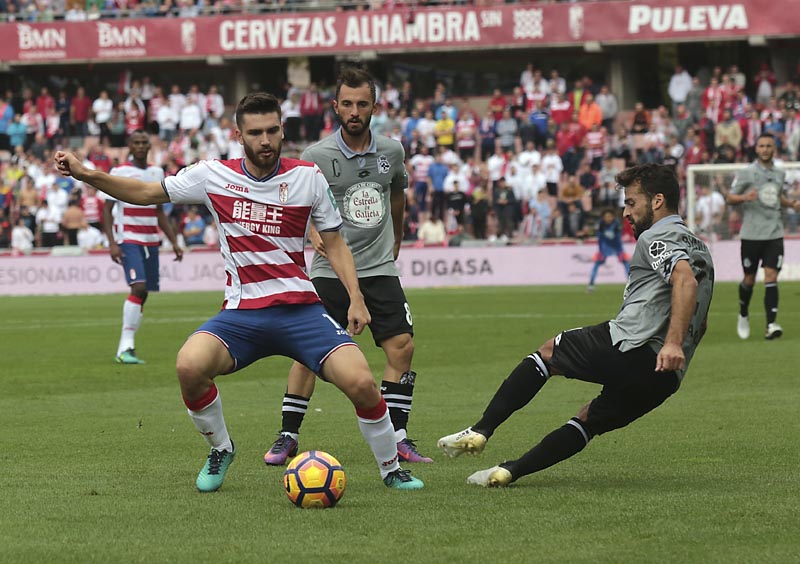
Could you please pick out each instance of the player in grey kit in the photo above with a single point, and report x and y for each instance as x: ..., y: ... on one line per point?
x: 367, y: 176
x: 759, y: 189
x: 639, y: 358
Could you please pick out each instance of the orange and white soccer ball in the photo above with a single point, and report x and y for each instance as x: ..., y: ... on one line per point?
x: 314, y: 479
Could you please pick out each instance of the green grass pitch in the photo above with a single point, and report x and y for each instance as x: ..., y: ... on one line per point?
x: 99, y: 460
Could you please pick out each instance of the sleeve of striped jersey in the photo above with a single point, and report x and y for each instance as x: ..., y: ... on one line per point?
x: 324, y: 214
x: 188, y: 186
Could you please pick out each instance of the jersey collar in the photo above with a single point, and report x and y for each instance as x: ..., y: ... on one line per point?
x: 265, y: 178
x: 674, y: 218
x: 348, y: 152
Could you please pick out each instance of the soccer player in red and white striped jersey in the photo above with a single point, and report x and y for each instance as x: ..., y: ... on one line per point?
x: 262, y: 205
x: 133, y: 240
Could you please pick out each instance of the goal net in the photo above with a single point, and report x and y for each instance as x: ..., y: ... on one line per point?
x: 707, y: 213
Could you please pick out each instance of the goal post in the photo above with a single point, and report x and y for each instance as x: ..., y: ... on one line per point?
x: 718, y: 178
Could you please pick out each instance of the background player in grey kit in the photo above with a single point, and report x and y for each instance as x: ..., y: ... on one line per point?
x: 367, y: 176
x: 759, y: 189
x: 639, y: 357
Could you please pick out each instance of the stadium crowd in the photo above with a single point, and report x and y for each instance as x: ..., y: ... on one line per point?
x: 83, y: 10
x: 534, y: 163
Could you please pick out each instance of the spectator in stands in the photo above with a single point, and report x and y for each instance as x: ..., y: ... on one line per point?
x: 682, y: 121
x: 571, y: 194
x: 426, y: 127
x: 72, y: 220
x: 103, y: 110
x: 444, y: 130
x: 311, y: 111
x: 609, y: 107
x: 191, y: 116
x: 48, y: 223
x: 497, y: 104
x: 117, y: 126
x: 728, y: 131
x: 557, y: 85
x: 214, y: 108
x: 34, y: 124
x: 167, y: 118
x: 437, y: 172
x: 193, y: 227
x: 432, y: 231
x: 765, y: 83
x: 504, y: 206
x: 62, y: 107
x: 589, y: 113
x: 713, y: 101
x: 506, y: 130
x: 6, y: 118
x: 292, y: 119
x: 679, y: 86
x: 487, y: 134
x: 22, y: 238
x: 709, y: 210
x: 92, y: 207
x: 420, y: 164
x: 466, y: 135
x: 80, y: 112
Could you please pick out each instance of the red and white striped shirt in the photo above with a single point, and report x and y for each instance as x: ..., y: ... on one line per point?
x: 262, y: 225
x: 136, y: 224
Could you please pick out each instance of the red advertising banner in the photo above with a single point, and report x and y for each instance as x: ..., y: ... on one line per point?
x: 326, y: 33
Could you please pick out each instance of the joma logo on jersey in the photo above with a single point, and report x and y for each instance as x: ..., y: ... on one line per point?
x: 237, y: 188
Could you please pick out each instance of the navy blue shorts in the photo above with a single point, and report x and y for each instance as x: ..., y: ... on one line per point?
x: 140, y: 264
x: 303, y: 332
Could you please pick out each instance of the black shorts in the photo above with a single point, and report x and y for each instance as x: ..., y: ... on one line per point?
x: 631, y: 385
x: 385, y: 301
x: 768, y: 253
x: 552, y: 189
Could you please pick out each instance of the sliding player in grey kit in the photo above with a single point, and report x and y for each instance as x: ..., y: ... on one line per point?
x: 639, y: 358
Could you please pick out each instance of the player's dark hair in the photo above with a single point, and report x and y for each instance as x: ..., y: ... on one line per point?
x: 138, y: 132
x: 257, y: 103
x: 766, y: 134
x: 653, y: 179
x: 354, y: 77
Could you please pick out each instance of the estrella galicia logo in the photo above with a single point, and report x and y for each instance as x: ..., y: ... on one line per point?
x: 337, y: 171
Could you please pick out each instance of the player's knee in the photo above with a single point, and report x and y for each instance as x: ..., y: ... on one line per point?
x: 362, y: 390
x: 400, y: 350
x: 583, y: 413
x: 140, y: 291
x: 546, y: 350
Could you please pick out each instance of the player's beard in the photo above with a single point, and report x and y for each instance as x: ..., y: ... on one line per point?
x: 355, y: 127
x: 263, y: 162
x: 643, y: 224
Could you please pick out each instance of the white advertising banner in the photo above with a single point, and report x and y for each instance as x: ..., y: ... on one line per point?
x: 419, y: 268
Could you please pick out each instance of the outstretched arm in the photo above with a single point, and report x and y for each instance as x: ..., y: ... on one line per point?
x: 128, y: 190
x: 341, y: 260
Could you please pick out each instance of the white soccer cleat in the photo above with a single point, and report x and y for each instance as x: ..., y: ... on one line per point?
x: 743, y: 327
x: 466, y: 441
x: 494, y: 477
x: 773, y: 331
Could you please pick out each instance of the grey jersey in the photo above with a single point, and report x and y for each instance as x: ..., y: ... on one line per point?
x: 647, y: 303
x: 762, y: 220
x: 362, y: 185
